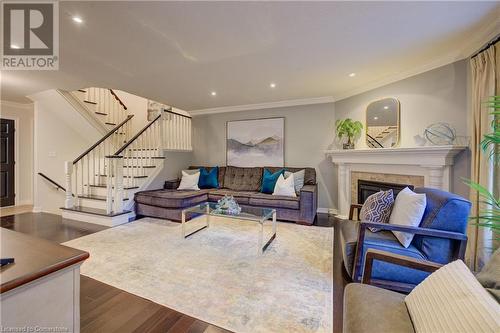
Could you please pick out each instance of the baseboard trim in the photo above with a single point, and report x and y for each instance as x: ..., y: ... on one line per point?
x: 329, y: 211
x: 37, y: 209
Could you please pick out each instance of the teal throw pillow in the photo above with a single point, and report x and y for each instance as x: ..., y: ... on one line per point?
x: 269, y: 180
x: 209, y: 179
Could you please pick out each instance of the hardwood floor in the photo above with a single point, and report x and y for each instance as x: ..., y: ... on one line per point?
x: 107, y: 309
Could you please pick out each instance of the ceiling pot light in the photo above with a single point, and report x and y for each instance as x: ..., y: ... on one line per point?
x: 213, y: 93
x: 375, y: 118
x: 352, y: 75
x: 272, y: 85
x: 386, y: 107
x: 77, y: 19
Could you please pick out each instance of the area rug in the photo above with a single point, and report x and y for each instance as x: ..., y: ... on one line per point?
x: 217, y: 276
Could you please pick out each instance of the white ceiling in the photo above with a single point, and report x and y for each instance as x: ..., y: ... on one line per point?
x: 177, y: 53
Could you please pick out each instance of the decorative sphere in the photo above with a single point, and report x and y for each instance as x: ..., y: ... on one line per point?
x: 440, y: 134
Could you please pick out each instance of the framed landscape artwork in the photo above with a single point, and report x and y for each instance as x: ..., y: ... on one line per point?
x: 256, y: 142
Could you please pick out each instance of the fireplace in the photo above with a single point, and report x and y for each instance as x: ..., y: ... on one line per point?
x: 369, y: 187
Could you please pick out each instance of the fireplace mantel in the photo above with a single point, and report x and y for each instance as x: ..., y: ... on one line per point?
x: 432, y: 155
x: 432, y: 162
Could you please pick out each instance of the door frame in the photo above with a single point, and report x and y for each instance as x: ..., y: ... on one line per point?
x: 16, y: 157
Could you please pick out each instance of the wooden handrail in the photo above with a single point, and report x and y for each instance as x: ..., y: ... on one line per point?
x: 103, y: 138
x: 117, y: 98
x: 371, y: 137
x: 122, y: 148
x: 51, y: 181
x: 178, y: 114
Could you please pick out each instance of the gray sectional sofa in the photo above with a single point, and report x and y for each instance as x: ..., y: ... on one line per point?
x: 243, y: 184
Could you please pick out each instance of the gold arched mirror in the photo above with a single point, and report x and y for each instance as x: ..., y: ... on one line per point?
x: 382, y: 123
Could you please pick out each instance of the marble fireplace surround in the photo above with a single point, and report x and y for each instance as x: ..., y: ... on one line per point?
x: 433, y: 164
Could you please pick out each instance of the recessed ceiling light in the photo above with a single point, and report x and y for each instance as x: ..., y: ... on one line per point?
x: 77, y: 19
x: 272, y: 85
x: 14, y: 46
x: 213, y: 93
x: 386, y: 107
x: 375, y: 118
x: 352, y: 75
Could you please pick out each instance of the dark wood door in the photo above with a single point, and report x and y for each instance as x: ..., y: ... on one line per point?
x: 7, y: 191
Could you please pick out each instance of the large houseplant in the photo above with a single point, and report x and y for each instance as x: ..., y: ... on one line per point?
x: 348, y: 128
x: 489, y: 217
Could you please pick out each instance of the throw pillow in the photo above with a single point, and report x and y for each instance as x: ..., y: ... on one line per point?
x: 408, y: 210
x: 285, y: 186
x: 298, y: 179
x: 209, y: 179
x: 269, y: 180
x: 377, y: 208
x: 452, y: 300
x: 189, y: 182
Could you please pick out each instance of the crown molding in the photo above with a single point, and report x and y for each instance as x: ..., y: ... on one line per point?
x: 16, y: 104
x: 260, y: 106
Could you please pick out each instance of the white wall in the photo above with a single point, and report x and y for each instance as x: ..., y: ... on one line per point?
x: 22, y: 114
x: 439, y: 95
x: 61, y: 134
x: 309, y: 131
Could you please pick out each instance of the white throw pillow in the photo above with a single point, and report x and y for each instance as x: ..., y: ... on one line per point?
x: 285, y: 186
x: 189, y: 182
x: 408, y: 209
x: 298, y: 179
x: 452, y: 300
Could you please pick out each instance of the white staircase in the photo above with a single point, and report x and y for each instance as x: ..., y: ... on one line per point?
x: 104, y: 105
x: 102, y: 181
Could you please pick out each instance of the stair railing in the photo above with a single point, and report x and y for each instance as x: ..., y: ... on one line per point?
x: 91, y: 166
x: 107, y: 103
x: 168, y: 131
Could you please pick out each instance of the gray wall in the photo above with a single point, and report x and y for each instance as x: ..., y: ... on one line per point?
x: 309, y: 130
x: 439, y: 95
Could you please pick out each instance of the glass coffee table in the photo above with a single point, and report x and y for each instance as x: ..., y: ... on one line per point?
x: 256, y: 214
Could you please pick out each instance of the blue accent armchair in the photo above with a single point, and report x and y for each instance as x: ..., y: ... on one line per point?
x: 440, y: 238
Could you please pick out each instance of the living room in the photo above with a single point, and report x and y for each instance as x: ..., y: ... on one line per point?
x: 250, y: 167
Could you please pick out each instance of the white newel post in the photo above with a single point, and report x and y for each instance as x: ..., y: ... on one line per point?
x: 68, y: 170
x: 109, y: 185
x: 118, y: 171
x: 161, y: 143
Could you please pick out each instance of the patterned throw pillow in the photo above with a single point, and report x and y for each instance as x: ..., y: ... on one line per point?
x: 377, y: 208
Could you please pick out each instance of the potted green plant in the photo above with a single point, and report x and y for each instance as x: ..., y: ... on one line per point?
x: 348, y: 128
x: 489, y: 217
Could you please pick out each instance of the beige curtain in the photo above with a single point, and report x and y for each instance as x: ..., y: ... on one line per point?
x: 484, y: 83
